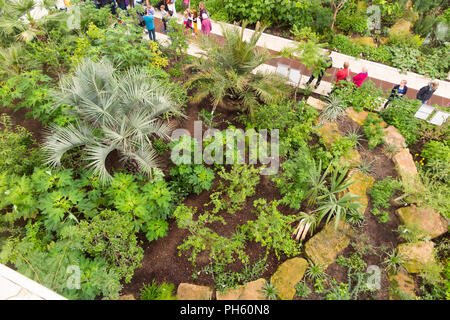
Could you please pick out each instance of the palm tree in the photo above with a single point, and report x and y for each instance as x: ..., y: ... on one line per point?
x: 230, y: 71
x: 116, y: 112
x: 18, y: 21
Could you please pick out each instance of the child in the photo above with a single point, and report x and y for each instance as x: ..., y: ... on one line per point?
x: 194, y: 20
x: 165, y: 17
x: 187, y: 21
x: 151, y: 10
x: 148, y: 19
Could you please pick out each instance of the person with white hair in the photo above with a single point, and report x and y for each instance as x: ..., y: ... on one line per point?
x: 425, y: 93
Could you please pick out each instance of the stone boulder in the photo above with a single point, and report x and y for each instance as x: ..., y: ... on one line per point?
x: 316, y: 103
x: 361, y: 183
x: 358, y: 117
x: 351, y: 158
x: 426, y: 219
x: 330, y: 133
x: 325, y: 246
x: 187, y: 291
x: 127, y: 297
x: 253, y: 290
x: 405, y: 165
x: 249, y: 291
x: 401, y: 27
x: 287, y: 276
x: 416, y: 255
x: 401, y: 285
x: 394, y: 137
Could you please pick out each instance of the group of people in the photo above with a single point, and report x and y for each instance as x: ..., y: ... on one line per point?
x: 344, y: 74
x: 190, y: 18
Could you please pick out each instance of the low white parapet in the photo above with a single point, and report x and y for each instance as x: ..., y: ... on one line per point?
x: 14, y: 286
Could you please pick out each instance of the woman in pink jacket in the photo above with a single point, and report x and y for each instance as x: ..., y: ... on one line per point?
x: 360, y: 77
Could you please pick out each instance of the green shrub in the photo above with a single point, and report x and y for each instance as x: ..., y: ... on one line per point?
x: 373, y: 130
x: 188, y: 179
x: 163, y: 291
x: 382, y: 191
x: 18, y: 154
x: 400, y: 114
x: 272, y: 229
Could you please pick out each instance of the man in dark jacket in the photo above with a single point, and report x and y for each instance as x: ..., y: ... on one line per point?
x: 326, y: 64
x: 426, y: 92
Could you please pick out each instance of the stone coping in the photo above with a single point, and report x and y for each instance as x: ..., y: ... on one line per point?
x: 15, y: 286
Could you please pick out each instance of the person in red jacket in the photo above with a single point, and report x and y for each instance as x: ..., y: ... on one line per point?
x: 360, y: 77
x: 344, y: 73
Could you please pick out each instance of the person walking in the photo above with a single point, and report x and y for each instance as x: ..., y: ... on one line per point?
x: 164, y: 17
x: 324, y: 66
x: 425, y: 93
x: 360, y: 77
x: 149, y: 23
x: 204, y: 19
x: 195, y: 18
x: 171, y: 7
x: 186, y: 4
x: 344, y: 73
x: 398, y: 91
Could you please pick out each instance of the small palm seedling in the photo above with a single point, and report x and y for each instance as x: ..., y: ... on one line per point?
x: 365, y: 166
x: 390, y: 150
x: 315, y: 271
x: 333, y: 110
x: 307, y: 222
x: 394, y: 261
x: 355, y: 136
x: 269, y: 291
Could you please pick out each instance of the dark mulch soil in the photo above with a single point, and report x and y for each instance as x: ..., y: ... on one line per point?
x: 18, y: 118
x: 162, y: 261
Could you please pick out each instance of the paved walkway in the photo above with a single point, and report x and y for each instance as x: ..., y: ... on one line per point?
x: 383, y: 76
x: 14, y: 286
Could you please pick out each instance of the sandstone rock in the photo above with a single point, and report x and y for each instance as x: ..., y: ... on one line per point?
x: 249, y: 291
x: 401, y: 286
x: 393, y: 136
x: 358, y: 117
x: 361, y: 183
x: 316, y: 103
x: 426, y: 219
x: 324, y: 247
x: 401, y: 27
x: 416, y: 255
x: 230, y: 294
x: 287, y: 276
x: 330, y: 133
x: 187, y: 291
x: 252, y: 290
x: 405, y: 165
x: 127, y: 297
x: 352, y: 158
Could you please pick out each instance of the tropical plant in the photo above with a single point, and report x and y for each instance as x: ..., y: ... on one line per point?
x: 17, y: 155
x: 310, y: 54
x: 393, y: 261
x: 315, y: 271
x: 269, y: 291
x: 229, y: 71
x: 333, y: 110
x: 115, y: 112
x: 155, y: 291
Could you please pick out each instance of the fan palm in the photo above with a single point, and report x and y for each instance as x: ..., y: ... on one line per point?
x: 116, y: 112
x: 230, y: 71
x: 19, y: 19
